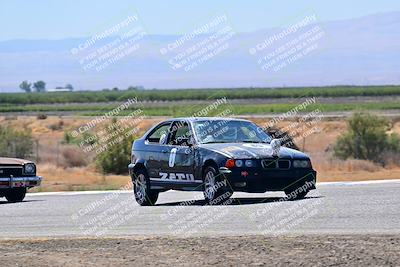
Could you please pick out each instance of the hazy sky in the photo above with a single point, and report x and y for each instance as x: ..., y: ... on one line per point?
x: 57, y: 19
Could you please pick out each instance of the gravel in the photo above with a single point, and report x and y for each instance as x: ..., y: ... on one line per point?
x: 311, y: 250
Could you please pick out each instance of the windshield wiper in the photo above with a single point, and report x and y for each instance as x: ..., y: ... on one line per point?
x: 234, y: 141
x: 216, y: 142
x: 251, y: 141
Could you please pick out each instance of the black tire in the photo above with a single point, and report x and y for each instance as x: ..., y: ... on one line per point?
x: 15, y: 195
x: 296, y: 193
x: 141, y: 186
x: 222, y: 190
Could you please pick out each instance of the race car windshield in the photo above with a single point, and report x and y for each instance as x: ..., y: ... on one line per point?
x: 228, y: 131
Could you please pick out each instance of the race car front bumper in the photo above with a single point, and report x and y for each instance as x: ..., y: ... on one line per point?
x: 13, y: 182
x: 260, y: 180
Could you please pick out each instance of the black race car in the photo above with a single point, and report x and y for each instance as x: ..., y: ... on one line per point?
x: 217, y: 156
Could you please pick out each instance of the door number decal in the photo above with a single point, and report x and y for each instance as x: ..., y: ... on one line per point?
x: 172, y: 157
x: 176, y: 176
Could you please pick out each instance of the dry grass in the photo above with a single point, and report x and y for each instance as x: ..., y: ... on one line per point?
x: 334, y: 170
x: 322, y: 164
x: 72, y: 156
x: 383, y: 174
x: 78, y: 178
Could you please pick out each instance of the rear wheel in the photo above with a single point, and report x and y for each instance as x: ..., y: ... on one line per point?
x: 141, y: 186
x: 15, y: 194
x: 216, y: 189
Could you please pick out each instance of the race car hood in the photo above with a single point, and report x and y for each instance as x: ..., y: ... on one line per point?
x: 13, y: 161
x: 251, y: 150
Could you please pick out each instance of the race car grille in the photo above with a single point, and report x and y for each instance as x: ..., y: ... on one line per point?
x: 283, y: 164
x: 8, y: 171
x: 275, y: 164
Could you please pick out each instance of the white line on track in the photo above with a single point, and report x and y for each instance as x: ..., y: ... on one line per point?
x: 71, y: 193
x: 360, y: 182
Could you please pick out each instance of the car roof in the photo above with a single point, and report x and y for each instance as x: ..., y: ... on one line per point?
x: 193, y: 119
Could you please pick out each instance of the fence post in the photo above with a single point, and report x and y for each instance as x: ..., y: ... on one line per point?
x: 37, y: 150
x: 58, y: 151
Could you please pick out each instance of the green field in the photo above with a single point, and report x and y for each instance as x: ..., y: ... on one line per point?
x: 194, y: 94
x: 188, y: 110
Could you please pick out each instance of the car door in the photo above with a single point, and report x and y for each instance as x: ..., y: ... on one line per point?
x: 154, y: 148
x: 177, y: 162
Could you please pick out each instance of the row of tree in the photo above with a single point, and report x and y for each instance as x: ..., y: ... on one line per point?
x: 40, y: 86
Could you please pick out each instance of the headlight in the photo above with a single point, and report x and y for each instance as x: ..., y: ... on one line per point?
x: 29, y: 168
x: 249, y: 163
x: 239, y: 163
x: 301, y: 164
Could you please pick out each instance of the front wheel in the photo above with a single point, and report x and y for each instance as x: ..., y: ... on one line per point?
x: 141, y: 186
x: 16, y: 195
x: 216, y: 189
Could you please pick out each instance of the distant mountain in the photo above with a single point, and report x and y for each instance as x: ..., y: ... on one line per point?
x: 362, y: 51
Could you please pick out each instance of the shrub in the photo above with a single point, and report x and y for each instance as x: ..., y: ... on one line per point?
x: 41, y: 116
x: 117, y: 143
x: 394, y: 142
x: 73, y: 157
x: 56, y: 126
x: 68, y: 139
x: 15, y: 143
x: 116, y: 158
x: 366, y: 138
x: 86, y: 138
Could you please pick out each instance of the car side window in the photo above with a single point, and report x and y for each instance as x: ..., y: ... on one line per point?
x: 154, y: 136
x: 180, y: 134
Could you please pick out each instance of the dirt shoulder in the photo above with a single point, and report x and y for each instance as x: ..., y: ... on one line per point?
x: 316, y: 250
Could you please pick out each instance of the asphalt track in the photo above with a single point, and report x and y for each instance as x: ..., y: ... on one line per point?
x: 334, y: 208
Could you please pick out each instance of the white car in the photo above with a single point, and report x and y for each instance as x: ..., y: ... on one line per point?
x: 16, y: 176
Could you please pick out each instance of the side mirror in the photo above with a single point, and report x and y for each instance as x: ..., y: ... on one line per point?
x: 163, y: 139
x: 191, y: 141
